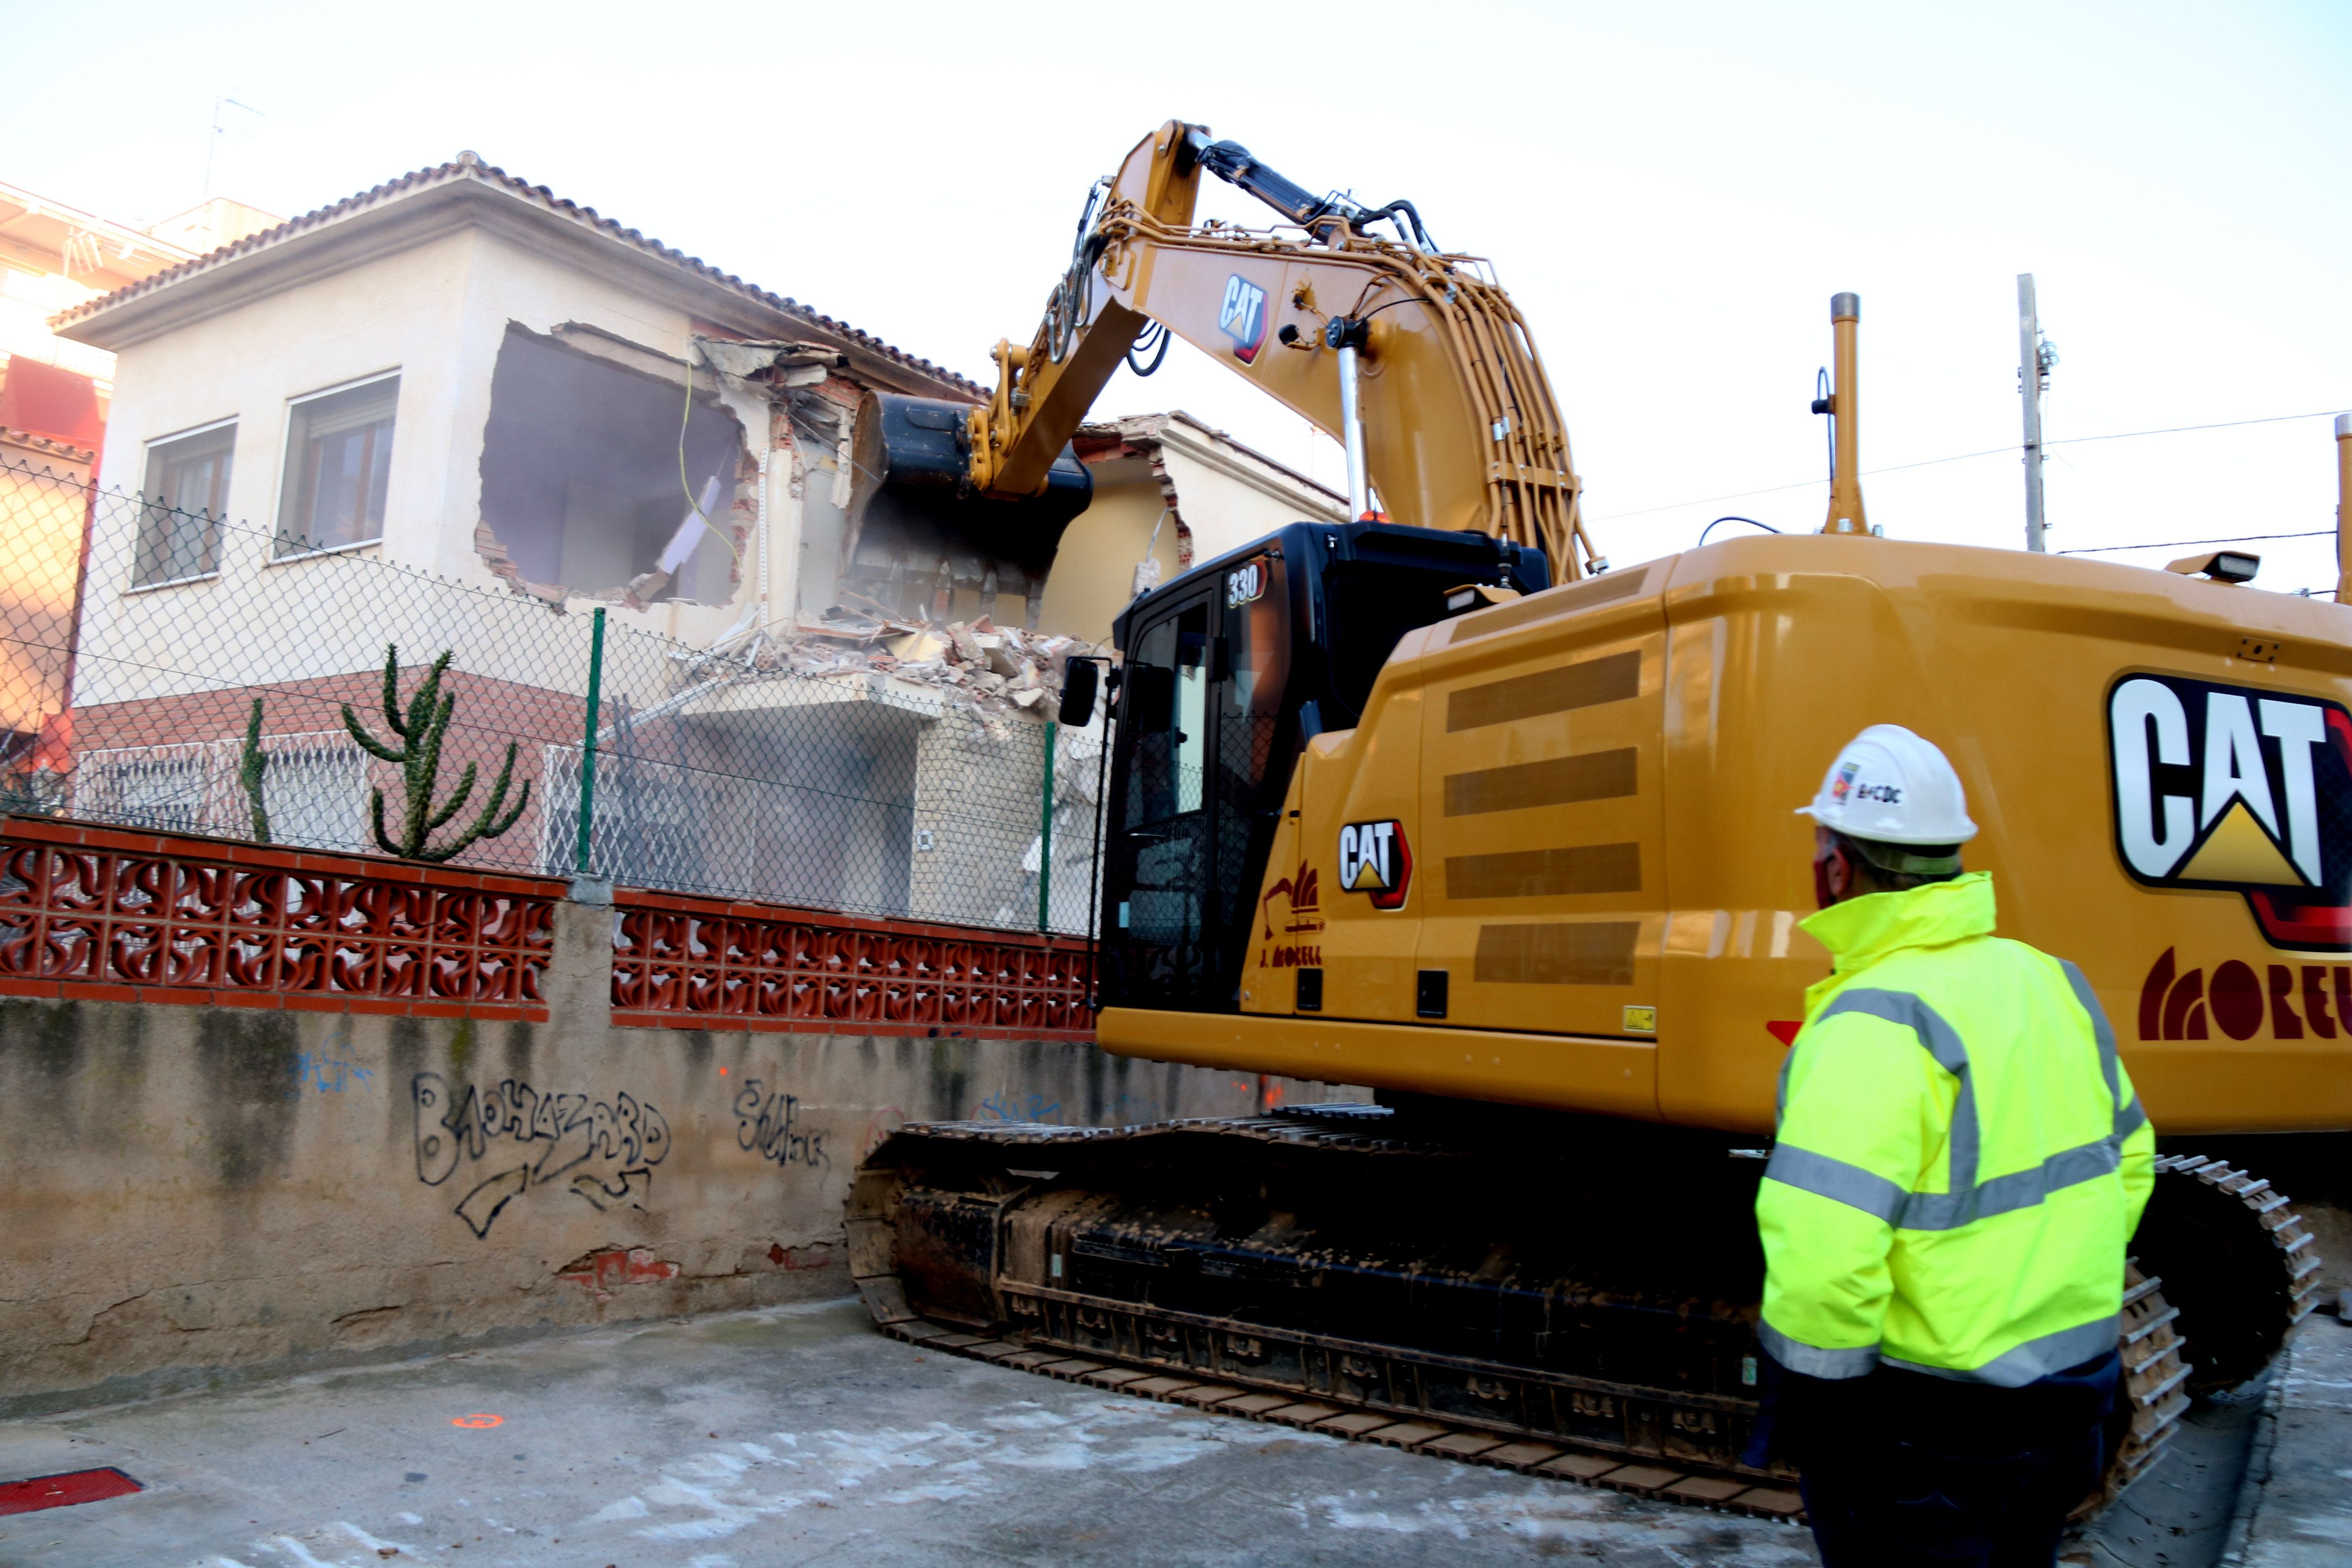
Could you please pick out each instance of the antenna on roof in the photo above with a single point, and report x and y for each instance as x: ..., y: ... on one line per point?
x: 211, y: 145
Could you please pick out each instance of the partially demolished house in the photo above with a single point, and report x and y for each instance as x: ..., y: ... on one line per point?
x: 460, y: 374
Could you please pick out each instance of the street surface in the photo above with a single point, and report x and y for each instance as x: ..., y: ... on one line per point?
x: 798, y: 1435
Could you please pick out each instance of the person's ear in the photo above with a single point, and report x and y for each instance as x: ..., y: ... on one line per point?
x: 1839, y: 872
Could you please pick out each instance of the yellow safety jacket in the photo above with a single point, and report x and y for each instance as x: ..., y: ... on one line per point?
x: 1960, y: 1159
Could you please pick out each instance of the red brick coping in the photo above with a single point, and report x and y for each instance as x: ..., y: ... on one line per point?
x: 111, y: 914
x: 687, y: 963
x: 108, y: 914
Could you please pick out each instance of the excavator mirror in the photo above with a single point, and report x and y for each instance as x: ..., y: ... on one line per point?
x: 1078, y: 685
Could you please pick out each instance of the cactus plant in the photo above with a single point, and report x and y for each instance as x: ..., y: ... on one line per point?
x: 248, y: 774
x: 419, y: 760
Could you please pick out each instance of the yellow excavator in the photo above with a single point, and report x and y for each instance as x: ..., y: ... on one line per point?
x: 1434, y: 800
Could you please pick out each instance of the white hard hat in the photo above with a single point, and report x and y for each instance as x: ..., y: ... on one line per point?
x: 1889, y: 785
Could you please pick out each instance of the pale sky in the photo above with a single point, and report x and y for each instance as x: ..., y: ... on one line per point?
x: 1672, y: 193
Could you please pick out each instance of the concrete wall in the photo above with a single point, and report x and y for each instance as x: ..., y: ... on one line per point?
x: 198, y: 1192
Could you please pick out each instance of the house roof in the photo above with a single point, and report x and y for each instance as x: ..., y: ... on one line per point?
x: 114, y: 317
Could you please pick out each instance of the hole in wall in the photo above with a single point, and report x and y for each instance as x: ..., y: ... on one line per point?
x: 581, y: 490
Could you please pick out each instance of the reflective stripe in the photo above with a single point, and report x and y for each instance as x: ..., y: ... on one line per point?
x: 2129, y: 1120
x: 2017, y: 1190
x: 1911, y: 1012
x: 1837, y: 1181
x: 1812, y: 1359
x: 2104, y: 1030
x: 2032, y: 1360
x: 1943, y: 1043
x: 1965, y: 1204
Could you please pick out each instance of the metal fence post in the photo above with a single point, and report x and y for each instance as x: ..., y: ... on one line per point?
x: 588, y: 740
x: 1045, y: 838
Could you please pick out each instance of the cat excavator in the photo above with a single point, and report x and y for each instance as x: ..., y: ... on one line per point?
x: 1435, y: 802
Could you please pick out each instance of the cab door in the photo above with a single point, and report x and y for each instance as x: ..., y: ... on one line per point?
x: 1159, y: 935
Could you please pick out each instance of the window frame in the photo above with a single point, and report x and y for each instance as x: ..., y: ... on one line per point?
x: 219, y: 520
x: 279, y: 536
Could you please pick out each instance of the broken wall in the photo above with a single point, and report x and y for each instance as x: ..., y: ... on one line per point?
x: 194, y: 1188
x: 596, y: 476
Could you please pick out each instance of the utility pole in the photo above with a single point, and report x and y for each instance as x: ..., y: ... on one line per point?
x: 2033, y: 363
x: 2344, y: 509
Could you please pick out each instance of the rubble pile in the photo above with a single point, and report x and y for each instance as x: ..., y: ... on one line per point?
x: 992, y: 668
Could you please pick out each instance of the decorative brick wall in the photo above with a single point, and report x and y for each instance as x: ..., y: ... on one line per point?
x: 700, y: 963
x: 103, y: 914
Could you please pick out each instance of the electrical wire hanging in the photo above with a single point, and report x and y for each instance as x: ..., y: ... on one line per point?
x: 1965, y: 456
x: 2183, y: 544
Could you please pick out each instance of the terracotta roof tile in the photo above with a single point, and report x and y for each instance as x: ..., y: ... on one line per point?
x: 469, y: 167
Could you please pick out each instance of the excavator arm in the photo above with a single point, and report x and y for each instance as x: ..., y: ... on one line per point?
x: 1417, y: 364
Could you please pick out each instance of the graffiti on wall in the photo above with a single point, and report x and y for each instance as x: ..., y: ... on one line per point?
x: 330, y: 1069
x: 1006, y: 1107
x: 603, y: 1151
x: 773, y: 1124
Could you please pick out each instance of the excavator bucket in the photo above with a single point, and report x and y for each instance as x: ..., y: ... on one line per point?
x: 921, y: 542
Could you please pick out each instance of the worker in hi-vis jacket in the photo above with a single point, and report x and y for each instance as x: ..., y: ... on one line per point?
x: 1959, y: 1163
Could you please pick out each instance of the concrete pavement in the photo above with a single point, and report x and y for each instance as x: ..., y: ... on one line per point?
x: 786, y: 1435
x: 2297, y: 1510
x: 796, y: 1435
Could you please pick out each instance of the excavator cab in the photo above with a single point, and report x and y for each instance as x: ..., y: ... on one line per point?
x: 1229, y: 670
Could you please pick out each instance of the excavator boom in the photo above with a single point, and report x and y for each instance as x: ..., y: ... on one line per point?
x: 1421, y: 367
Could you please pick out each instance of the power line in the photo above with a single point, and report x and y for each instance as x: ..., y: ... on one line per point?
x: 2176, y: 543
x: 1987, y: 452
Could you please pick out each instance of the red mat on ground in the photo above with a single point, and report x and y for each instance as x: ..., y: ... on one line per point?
x: 65, y: 1491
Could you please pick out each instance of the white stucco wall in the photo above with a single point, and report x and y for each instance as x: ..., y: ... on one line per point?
x: 436, y: 313
x: 1230, y: 496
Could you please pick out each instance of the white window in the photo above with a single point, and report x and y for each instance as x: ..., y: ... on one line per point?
x: 186, y: 495
x: 337, y: 468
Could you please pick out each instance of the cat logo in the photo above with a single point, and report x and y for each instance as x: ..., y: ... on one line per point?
x: 1242, y: 316
x: 1374, y: 859
x: 2242, y: 790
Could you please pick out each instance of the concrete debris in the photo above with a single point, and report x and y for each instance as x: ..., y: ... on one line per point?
x: 988, y: 667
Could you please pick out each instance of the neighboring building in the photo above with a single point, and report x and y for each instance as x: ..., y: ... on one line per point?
x: 53, y: 404
x: 1171, y: 490
x: 54, y: 257
x: 459, y: 373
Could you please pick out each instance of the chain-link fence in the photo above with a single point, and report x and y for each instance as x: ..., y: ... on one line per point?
x: 138, y: 637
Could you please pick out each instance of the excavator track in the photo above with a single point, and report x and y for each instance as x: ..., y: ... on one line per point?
x: 2245, y: 1269
x: 1202, y: 1263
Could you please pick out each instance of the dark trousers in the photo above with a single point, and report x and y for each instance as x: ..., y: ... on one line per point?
x: 1900, y: 1468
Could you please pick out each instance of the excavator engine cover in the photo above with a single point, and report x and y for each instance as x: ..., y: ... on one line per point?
x: 917, y: 529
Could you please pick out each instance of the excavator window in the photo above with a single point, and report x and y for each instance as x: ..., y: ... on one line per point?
x: 1168, y: 711
x: 1160, y: 858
